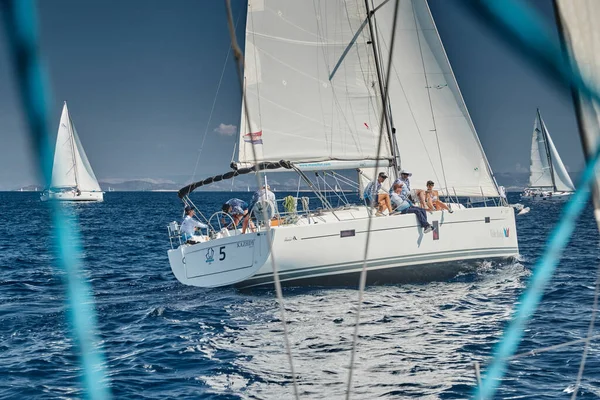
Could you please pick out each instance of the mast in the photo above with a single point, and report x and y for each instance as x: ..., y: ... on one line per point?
x: 543, y: 126
x: 383, y: 91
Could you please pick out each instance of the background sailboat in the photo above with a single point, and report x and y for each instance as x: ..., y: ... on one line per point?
x: 72, y: 176
x: 548, y: 177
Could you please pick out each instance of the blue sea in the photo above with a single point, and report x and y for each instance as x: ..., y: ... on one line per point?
x: 164, y: 340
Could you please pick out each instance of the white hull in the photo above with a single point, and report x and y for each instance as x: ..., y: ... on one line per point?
x: 72, y: 196
x: 549, y: 196
x: 334, y: 248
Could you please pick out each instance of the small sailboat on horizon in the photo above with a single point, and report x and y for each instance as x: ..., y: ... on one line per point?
x: 548, y: 177
x: 72, y: 176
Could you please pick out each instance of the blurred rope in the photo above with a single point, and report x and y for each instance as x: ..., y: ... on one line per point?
x: 517, y: 24
x: 239, y: 57
x: 20, y: 21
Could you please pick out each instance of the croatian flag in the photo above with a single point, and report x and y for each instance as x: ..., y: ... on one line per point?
x: 254, y: 138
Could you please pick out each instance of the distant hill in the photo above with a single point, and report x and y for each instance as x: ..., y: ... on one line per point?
x: 140, y: 185
x: 281, y: 181
x: 512, y: 181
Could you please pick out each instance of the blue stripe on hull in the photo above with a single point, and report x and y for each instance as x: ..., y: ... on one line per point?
x: 324, y: 274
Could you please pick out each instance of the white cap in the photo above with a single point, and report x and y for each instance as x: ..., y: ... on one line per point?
x: 405, y: 172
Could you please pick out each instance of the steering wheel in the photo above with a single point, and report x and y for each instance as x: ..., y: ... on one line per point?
x: 222, y: 215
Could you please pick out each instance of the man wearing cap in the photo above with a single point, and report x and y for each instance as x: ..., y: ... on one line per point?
x: 404, y: 206
x: 190, y: 225
x: 376, y: 197
x: 413, y: 194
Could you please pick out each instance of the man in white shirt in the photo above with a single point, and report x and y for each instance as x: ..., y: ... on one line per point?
x: 190, y: 225
x: 376, y: 197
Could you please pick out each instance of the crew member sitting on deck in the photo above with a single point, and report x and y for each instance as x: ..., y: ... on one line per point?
x: 190, y: 225
x: 376, y: 197
x: 415, y: 195
x: 433, y: 199
x: 404, y: 206
x: 238, y: 209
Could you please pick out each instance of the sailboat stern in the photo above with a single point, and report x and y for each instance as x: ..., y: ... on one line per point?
x: 220, y: 262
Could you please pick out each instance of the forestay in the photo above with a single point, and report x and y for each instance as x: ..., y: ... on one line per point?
x: 299, y: 109
x: 71, y: 167
x: 436, y: 137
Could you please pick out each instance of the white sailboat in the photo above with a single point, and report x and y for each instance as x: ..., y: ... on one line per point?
x: 548, y: 177
x: 313, y: 88
x: 72, y: 176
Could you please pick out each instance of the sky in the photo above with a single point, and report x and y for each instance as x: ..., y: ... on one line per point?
x: 140, y: 78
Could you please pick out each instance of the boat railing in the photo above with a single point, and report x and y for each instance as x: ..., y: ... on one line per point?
x: 174, y: 234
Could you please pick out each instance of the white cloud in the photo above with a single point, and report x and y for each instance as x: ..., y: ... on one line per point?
x: 227, y: 130
x: 520, y: 168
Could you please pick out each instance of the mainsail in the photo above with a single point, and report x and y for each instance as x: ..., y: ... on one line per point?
x: 71, y: 168
x: 546, y: 169
x: 435, y: 134
x: 310, y: 84
x: 312, y: 94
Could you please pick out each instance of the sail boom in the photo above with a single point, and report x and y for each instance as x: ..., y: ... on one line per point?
x: 330, y: 165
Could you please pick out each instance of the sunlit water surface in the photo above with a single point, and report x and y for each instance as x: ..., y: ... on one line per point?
x: 165, y: 340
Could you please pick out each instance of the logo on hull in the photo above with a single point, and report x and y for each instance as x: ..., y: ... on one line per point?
x: 210, y: 253
x: 497, y: 233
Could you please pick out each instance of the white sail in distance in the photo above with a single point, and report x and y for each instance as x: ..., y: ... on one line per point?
x: 540, y: 170
x: 71, y: 168
x: 546, y: 169
x: 436, y: 137
x: 310, y: 84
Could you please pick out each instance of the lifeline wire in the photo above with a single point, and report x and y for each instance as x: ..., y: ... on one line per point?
x: 240, y: 63
x: 523, y: 29
x: 363, y: 272
x: 21, y: 27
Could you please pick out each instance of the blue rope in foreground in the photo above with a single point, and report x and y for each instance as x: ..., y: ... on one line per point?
x: 524, y: 30
x: 21, y: 27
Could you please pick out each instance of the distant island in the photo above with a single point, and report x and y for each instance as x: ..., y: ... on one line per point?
x: 512, y: 181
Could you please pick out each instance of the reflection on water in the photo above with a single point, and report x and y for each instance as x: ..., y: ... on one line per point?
x: 419, y: 340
